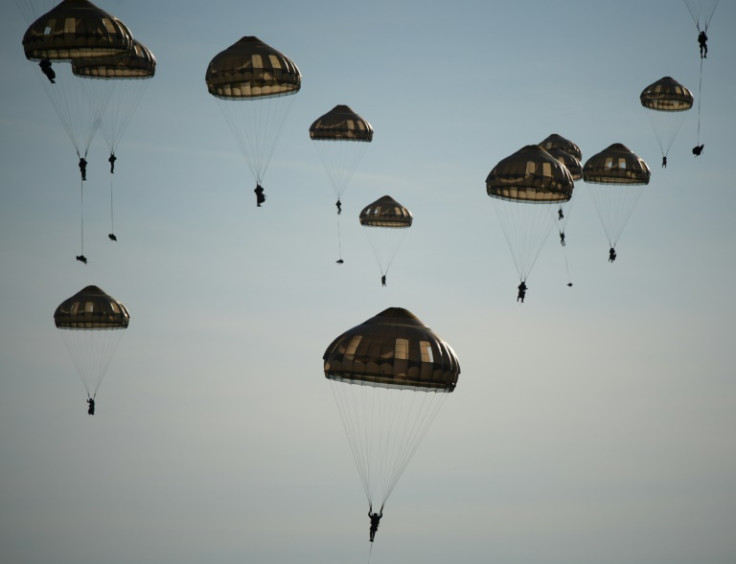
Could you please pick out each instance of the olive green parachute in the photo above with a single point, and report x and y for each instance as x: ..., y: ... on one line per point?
x: 136, y: 63
x: 665, y: 101
x: 341, y: 137
x: 253, y: 83
x: 386, y: 221
x: 616, y: 164
x: 555, y: 141
x: 117, y: 83
x: 617, y: 177
x: 341, y: 123
x: 530, y: 175
x: 76, y: 29
x: 386, y: 212
x: 526, y: 188
x: 389, y: 376
x: 92, y: 324
x: 666, y: 95
x: 561, y: 214
x: 573, y: 165
x: 249, y: 68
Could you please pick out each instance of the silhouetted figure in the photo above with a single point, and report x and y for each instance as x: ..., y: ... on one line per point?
x: 375, y: 520
x: 611, y: 254
x: 703, y: 42
x: 45, y: 65
x: 560, y: 214
x: 664, y: 162
x: 83, y: 167
x: 522, y: 292
x: 697, y: 150
x: 260, y: 196
x: 562, y: 238
x: 339, y: 261
x: 112, y: 160
x: 383, y: 280
x: 112, y: 237
x: 91, y: 408
x: 82, y: 258
x: 338, y: 205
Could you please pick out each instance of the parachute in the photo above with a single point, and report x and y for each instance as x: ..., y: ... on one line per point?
x: 253, y: 83
x: 701, y: 12
x: 390, y: 376
x: 75, y: 30
x: 562, y: 215
x: 91, y: 323
x: 387, y: 221
x: 618, y: 177
x: 527, y: 188
x: 666, y: 100
x: 342, y: 136
x: 118, y: 82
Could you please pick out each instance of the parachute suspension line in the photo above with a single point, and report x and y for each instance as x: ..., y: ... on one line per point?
x: 256, y: 124
x: 385, y: 243
x: 422, y: 419
x: 384, y: 428
x: 352, y: 428
x: 700, y: 97
x: 81, y: 214
x: 339, y: 241
x: 91, y: 351
x: 112, y: 216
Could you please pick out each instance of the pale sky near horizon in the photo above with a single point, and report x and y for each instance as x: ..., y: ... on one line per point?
x: 591, y: 424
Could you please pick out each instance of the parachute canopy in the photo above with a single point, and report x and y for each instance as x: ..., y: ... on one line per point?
x: 531, y: 175
x: 91, y: 308
x: 571, y: 163
x: 250, y: 68
x: 393, y: 349
x: 341, y: 124
x: 386, y: 212
x: 666, y: 95
x: 616, y: 164
x: 76, y: 29
x: 138, y: 62
x: 555, y: 141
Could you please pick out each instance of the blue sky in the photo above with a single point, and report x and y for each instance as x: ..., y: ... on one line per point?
x: 590, y: 424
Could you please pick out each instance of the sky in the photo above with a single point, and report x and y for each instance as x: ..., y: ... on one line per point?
x: 590, y: 424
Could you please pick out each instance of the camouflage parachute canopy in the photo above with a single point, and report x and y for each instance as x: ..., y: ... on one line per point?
x: 573, y: 165
x: 531, y: 175
x: 555, y: 141
x: 91, y: 308
x: 666, y: 95
x: 341, y: 123
x: 392, y: 349
x: 251, y: 69
x: 76, y: 29
x: 386, y: 212
x: 616, y: 164
x: 138, y: 62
